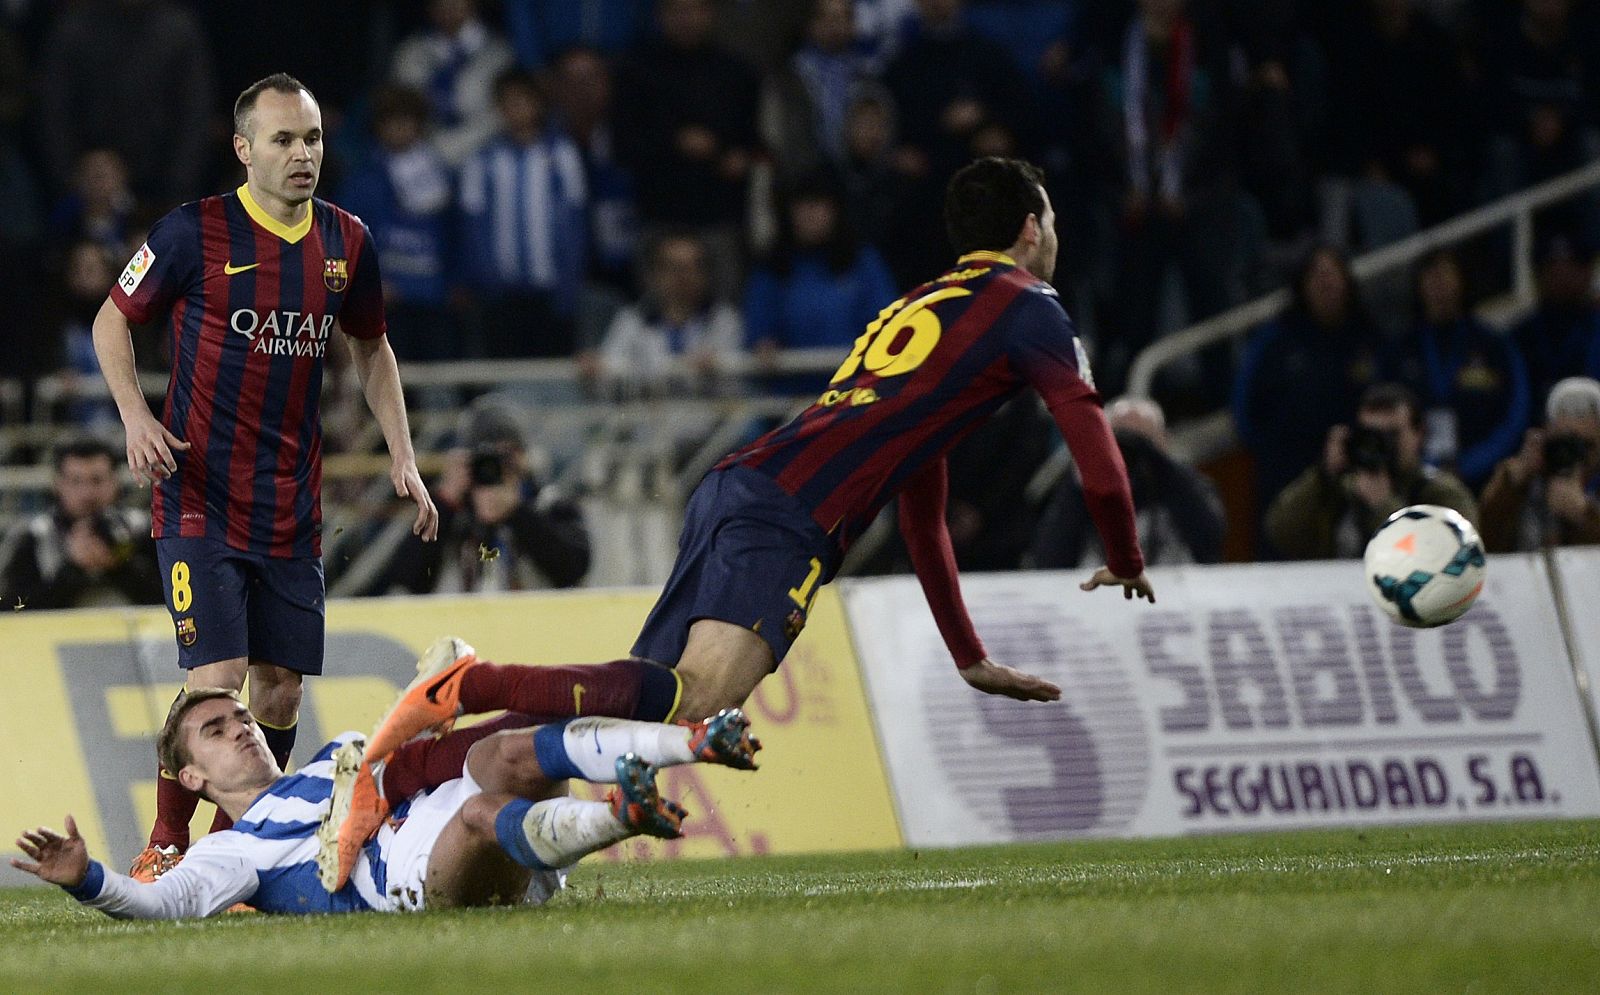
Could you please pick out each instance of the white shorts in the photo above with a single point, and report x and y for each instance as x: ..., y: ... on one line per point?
x: 405, y: 851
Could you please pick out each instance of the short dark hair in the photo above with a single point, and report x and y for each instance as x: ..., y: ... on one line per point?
x: 391, y: 102
x: 277, y: 82
x: 517, y: 78
x: 83, y: 448
x: 171, y: 749
x: 989, y: 200
x: 1387, y: 396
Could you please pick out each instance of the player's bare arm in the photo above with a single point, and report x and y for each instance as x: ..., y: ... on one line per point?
x: 150, y: 444
x: 380, y: 384
x: 56, y: 859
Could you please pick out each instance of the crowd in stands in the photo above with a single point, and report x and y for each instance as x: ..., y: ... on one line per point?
x: 630, y: 182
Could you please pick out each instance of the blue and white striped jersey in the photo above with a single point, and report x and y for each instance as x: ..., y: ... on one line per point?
x: 268, y: 860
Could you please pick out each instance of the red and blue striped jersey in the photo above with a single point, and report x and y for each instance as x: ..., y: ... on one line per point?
x: 933, y: 366
x: 251, y: 304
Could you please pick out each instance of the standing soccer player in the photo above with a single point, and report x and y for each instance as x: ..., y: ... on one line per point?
x: 253, y: 282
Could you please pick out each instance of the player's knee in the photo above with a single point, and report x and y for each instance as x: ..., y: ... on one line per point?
x: 480, y: 811
x: 506, y: 762
x: 275, y: 695
x: 706, y: 694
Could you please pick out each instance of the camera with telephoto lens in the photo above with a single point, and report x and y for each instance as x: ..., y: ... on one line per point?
x: 1370, y: 449
x: 1565, y: 453
x: 488, y: 468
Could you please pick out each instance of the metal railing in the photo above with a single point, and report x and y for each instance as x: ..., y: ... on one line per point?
x: 1516, y: 210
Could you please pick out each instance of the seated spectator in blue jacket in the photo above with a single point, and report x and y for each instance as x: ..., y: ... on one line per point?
x: 524, y: 199
x: 1470, y: 377
x: 404, y: 195
x: 822, y: 286
x: 1303, y: 373
x: 1562, y: 337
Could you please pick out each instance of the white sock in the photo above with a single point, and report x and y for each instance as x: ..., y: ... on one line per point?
x: 593, y: 745
x: 561, y: 830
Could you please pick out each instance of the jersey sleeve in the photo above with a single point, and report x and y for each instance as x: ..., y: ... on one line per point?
x: 212, y: 877
x: 1046, y: 352
x: 160, y: 271
x: 361, y: 314
x: 927, y: 538
x: 1044, y: 348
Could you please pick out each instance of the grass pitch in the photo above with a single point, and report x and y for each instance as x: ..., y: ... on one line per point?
x: 1509, y: 907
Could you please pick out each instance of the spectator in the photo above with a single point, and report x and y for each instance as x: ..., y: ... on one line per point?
x: 1398, y: 115
x: 1368, y: 472
x: 678, y: 323
x: 947, y: 81
x: 1540, y: 74
x: 1472, y: 381
x: 541, y: 30
x: 85, y: 551
x: 1179, y: 513
x: 499, y: 530
x: 404, y: 195
x: 456, y: 63
x: 887, y: 187
x: 1301, y: 374
x: 1562, y: 336
x: 88, y: 272
x: 523, y: 200
x: 1164, y: 118
x: 581, y: 92
x: 1546, y: 494
x: 808, y: 103
x: 132, y: 77
x: 687, y: 123
x: 822, y: 286
x: 100, y: 206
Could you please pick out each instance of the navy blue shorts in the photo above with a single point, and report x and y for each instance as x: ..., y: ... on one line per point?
x: 228, y: 603
x: 750, y: 555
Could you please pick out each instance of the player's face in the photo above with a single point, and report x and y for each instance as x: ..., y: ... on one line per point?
x: 1043, y: 264
x: 283, y: 152
x: 226, y: 748
x: 86, y: 485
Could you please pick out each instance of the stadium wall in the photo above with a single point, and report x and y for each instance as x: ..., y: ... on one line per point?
x: 1250, y: 697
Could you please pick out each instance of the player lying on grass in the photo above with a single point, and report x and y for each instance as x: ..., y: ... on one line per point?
x: 501, y: 829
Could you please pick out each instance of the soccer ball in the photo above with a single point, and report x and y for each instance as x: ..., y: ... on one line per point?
x: 1425, y: 566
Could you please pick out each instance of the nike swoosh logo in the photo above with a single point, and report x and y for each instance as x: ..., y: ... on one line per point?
x: 432, y: 693
x: 230, y: 269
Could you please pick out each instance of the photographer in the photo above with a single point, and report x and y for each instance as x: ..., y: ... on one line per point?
x: 498, y: 529
x: 1368, y: 471
x: 85, y: 551
x: 1177, y: 508
x: 1545, y: 495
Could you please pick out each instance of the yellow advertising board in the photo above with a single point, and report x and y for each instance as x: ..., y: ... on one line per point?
x: 87, y: 691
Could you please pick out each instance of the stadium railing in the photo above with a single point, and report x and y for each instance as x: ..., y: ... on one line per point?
x: 1211, y: 435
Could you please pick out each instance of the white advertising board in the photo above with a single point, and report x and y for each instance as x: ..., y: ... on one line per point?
x: 1249, y: 697
x: 1580, y: 591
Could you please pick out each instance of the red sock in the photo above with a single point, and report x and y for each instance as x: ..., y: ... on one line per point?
x: 220, y: 821
x: 175, y: 806
x: 622, y: 689
x: 427, y: 763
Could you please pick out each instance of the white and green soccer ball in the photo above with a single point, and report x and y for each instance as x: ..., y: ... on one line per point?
x: 1425, y: 566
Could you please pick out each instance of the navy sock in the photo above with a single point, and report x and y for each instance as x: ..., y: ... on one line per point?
x: 280, y: 742
x: 508, y: 831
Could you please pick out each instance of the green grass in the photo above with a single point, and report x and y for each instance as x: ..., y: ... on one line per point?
x: 1482, y: 908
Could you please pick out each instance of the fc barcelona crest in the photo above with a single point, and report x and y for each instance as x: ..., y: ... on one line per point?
x: 336, y: 274
x: 186, y: 631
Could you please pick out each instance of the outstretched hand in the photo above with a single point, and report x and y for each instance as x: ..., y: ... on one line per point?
x: 1139, y: 585
x: 993, y: 678
x: 62, y: 860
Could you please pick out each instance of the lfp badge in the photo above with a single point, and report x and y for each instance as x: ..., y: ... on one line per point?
x: 336, y: 274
